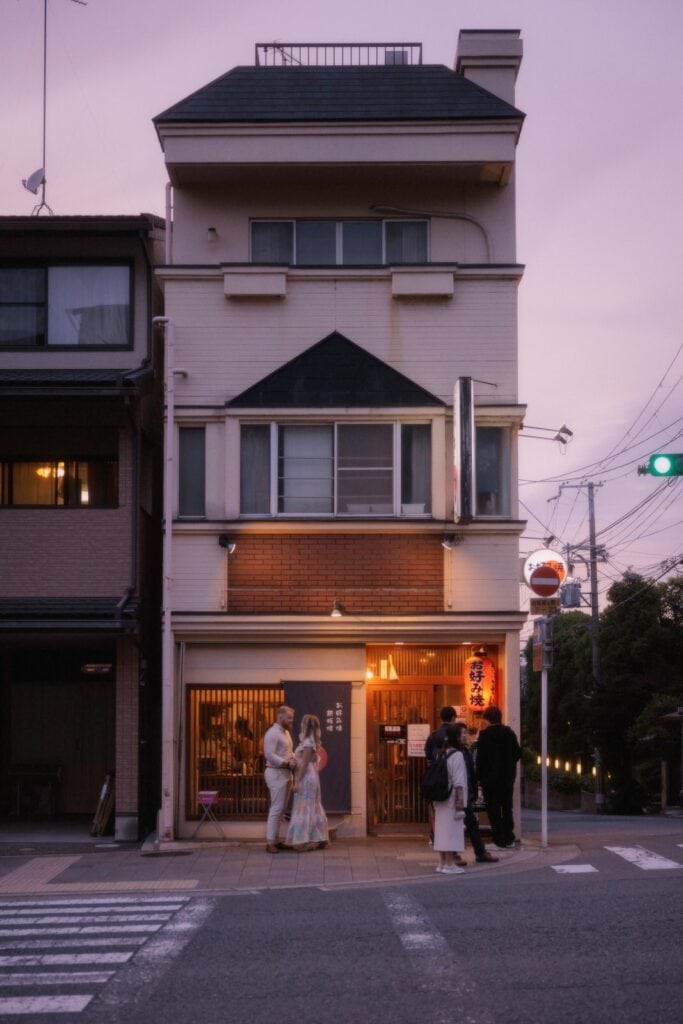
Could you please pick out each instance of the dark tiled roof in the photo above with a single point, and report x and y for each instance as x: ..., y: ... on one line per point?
x: 68, y: 381
x: 81, y: 224
x: 332, y: 373
x: 423, y: 92
x: 44, y: 612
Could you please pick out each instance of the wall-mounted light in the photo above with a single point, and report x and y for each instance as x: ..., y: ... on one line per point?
x: 211, y: 235
x: 337, y: 610
x: 227, y: 542
x: 450, y: 540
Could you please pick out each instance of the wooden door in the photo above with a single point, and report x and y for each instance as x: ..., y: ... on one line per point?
x: 394, y: 778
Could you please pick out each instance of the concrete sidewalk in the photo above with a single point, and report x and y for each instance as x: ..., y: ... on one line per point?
x: 237, y: 867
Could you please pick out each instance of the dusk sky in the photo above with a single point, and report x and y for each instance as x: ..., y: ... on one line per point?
x: 600, y: 221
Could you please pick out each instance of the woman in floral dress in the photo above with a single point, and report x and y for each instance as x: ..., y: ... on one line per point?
x: 308, y: 823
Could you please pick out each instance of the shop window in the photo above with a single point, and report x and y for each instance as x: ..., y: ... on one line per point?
x: 339, y: 469
x: 65, y: 305
x: 493, y: 471
x: 225, y: 730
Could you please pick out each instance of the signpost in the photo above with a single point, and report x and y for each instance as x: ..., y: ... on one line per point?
x: 542, y: 660
x: 545, y: 581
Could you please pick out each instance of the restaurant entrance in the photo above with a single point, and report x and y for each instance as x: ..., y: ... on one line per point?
x: 407, y: 685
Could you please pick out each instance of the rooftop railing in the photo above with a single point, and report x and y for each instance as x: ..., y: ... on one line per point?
x: 336, y: 54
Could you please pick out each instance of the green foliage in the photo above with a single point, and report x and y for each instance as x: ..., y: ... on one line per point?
x: 641, y: 678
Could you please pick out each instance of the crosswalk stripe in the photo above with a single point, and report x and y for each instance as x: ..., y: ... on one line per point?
x: 56, y: 978
x: 96, y: 900
x: 16, y: 1006
x: 573, y: 869
x: 114, y: 940
x: 66, y: 911
x: 85, y: 920
x: 111, y: 929
x: 63, y: 959
x: 643, y: 859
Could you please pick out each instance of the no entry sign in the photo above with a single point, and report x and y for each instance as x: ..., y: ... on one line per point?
x: 544, y: 581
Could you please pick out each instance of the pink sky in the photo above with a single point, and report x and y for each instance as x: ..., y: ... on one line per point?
x: 600, y: 221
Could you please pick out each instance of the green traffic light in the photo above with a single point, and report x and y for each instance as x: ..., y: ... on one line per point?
x: 661, y: 464
x: 664, y: 464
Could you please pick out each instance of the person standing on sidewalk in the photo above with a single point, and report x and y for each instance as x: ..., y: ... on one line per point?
x: 498, y: 752
x: 433, y: 746
x: 449, y: 815
x: 279, y: 759
x: 481, y: 854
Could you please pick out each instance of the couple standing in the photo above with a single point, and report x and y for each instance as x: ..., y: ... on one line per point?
x: 288, y: 770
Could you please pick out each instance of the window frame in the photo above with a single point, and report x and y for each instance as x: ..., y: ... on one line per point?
x: 45, y: 266
x: 339, y: 239
x: 506, y: 454
x: 7, y: 481
x: 334, y: 423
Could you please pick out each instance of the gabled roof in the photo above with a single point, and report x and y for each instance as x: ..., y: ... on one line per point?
x: 334, y: 373
x: 423, y: 92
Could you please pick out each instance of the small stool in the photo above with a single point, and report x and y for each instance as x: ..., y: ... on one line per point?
x: 207, y: 799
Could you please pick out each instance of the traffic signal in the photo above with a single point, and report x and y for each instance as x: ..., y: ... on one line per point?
x: 664, y: 464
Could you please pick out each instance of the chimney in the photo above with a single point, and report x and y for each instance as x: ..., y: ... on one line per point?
x: 490, y: 58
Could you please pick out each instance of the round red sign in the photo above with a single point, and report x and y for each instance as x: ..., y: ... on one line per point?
x: 545, y: 581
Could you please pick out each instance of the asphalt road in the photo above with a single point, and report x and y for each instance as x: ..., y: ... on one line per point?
x: 594, y: 939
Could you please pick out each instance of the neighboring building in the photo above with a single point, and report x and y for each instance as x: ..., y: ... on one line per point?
x: 343, y: 262
x: 80, y: 433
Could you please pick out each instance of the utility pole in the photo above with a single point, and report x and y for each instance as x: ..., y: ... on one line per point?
x: 593, y: 552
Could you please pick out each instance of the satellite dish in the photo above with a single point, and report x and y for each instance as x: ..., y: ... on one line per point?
x: 33, y: 183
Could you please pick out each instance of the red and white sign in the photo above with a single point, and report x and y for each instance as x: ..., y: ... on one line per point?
x: 545, y: 581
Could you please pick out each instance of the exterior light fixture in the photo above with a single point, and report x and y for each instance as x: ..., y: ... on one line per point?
x: 227, y: 542
x: 336, y: 612
x: 448, y: 541
x: 211, y: 235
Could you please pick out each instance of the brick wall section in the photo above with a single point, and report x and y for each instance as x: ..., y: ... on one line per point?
x: 69, y: 552
x: 368, y: 574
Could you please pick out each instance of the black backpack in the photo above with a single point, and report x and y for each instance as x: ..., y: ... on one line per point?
x: 435, y: 784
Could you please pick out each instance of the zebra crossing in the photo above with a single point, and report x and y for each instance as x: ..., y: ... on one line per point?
x: 638, y: 856
x: 57, y: 955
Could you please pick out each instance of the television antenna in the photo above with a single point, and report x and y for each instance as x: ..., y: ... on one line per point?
x: 37, y: 180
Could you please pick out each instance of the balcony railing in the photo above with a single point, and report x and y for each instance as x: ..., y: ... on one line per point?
x: 336, y: 54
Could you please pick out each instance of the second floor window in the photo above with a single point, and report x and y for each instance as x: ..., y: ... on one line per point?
x: 191, y: 472
x: 348, y: 243
x: 493, y: 471
x: 65, y: 305
x: 343, y: 469
x: 89, y: 483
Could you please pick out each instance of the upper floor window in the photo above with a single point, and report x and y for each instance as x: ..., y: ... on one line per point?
x: 65, y: 305
x: 191, y: 472
x: 344, y: 469
x: 493, y: 471
x: 348, y: 243
x: 58, y: 482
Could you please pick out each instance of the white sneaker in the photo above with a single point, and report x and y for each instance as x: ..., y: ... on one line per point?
x: 440, y: 868
x: 497, y: 847
x: 453, y: 869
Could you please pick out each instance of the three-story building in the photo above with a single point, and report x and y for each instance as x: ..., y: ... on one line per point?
x: 341, y: 297
x: 80, y: 487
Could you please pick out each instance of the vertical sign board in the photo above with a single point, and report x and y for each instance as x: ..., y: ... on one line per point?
x: 464, y: 483
x: 331, y: 702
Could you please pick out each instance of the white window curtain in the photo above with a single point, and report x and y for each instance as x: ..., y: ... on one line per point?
x: 88, y: 305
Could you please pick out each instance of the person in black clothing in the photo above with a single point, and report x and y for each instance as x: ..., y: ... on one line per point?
x: 435, y: 740
x: 481, y: 854
x: 498, y: 752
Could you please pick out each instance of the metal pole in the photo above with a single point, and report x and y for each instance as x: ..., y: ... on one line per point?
x: 166, y: 813
x: 595, y: 640
x: 544, y: 750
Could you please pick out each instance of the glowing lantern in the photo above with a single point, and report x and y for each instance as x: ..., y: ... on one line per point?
x: 480, y: 682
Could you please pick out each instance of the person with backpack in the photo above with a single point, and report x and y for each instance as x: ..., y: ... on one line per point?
x: 449, y: 811
x: 433, y: 747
